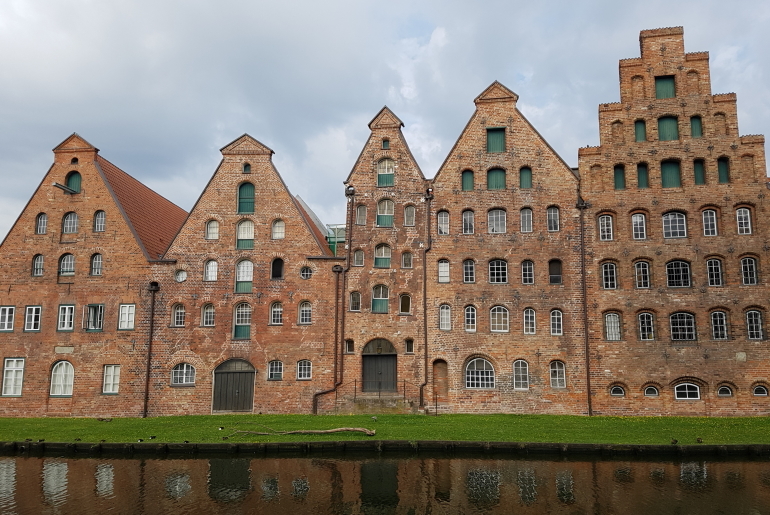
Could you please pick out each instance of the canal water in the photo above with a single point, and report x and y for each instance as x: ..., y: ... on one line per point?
x: 414, y: 485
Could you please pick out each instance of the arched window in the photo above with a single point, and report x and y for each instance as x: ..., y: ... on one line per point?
x: 406, y: 260
x: 558, y: 374
x: 207, y: 315
x: 685, y: 391
x: 678, y: 274
x: 242, y: 324
x: 699, y: 171
x: 754, y: 325
x: 682, y: 326
x: 275, y: 370
x: 696, y: 127
x: 498, y: 271
x: 714, y: 270
x: 443, y: 271
x: 529, y: 321
x: 37, y: 265
x: 100, y: 221
x: 479, y: 373
x: 405, y: 304
x: 639, y: 226
x: 385, y: 172
x: 245, y: 235
x: 642, y: 274
x: 358, y: 258
x: 74, y: 161
x: 710, y: 223
x: 445, y: 317
x: 382, y: 255
x: 361, y: 215
x: 526, y: 219
x: 210, y: 270
x: 525, y: 178
x: 41, y: 223
x: 96, y: 264
x: 62, y: 379
x: 556, y: 322
x: 605, y: 228
x: 385, y: 210
x: 612, y: 326
x: 380, y: 299
x: 70, y: 223
x: 355, y: 301
x: 305, y: 313
x: 671, y: 174
x: 469, y: 271
x: 469, y: 222
x: 212, y: 230
x: 668, y: 128
x: 650, y: 391
x: 553, y: 218
x: 279, y: 230
x: 527, y: 272
x: 718, y: 325
x: 499, y: 320
x: 609, y: 276
x: 674, y: 225
x: 246, y: 168
x: 67, y: 265
x: 304, y: 366
x: 470, y: 319
x: 724, y: 391
x: 276, y: 313
x: 617, y: 391
x: 496, y: 222
x: 183, y: 374
x: 640, y: 130
x: 642, y: 176
x: 244, y: 275
x: 554, y: 271
x: 178, y: 315
x: 409, y: 216
x: 619, y: 176
x: 760, y: 391
x: 305, y: 272
x: 442, y: 223
x: 246, y: 198
x: 496, y: 179
x: 276, y: 269
x: 743, y: 216
x: 646, y: 326
x: 520, y: 375
x: 467, y: 180
x: 73, y: 181
x: 723, y: 168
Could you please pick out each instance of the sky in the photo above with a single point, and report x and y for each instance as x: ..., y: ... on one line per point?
x: 159, y: 86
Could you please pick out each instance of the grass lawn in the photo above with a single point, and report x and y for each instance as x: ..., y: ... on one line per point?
x: 511, y: 428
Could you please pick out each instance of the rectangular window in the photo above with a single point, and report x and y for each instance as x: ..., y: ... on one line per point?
x: 6, y: 317
x: 670, y: 174
x: 605, y: 228
x: 442, y: 228
x: 709, y: 222
x: 612, y: 326
x: 94, y: 317
x: 111, y: 378
x: 409, y: 346
x: 696, y: 127
x: 445, y: 318
x: 126, y: 316
x: 409, y: 212
x: 700, y: 172
x: 275, y: 371
x: 665, y: 87
x: 527, y: 272
x: 646, y: 330
x: 32, y: 318
x: 304, y: 370
x: 469, y: 271
x: 714, y: 268
x: 529, y: 321
x: 642, y: 270
x: 639, y: 223
x: 744, y: 220
x: 13, y: 375
x: 496, y: 140
x: 668, y: 128
x: 619, y: 175
x: 66, y: 318
x: 350, y: 347
x: 718, y: 325
x: 468, y: 222
x: 640, y: 130
x: 526, y: 220
x: 443, y: 271
x: 642, y: 176
x: 361, y: 215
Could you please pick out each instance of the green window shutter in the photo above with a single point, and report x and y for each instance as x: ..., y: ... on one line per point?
x: 665, y: 87
x: 525, y: 178
x: 382, y: 262
x: 242, y: 332
x: 379, y: 305
x: 696, y: 127
x: 385, y: 179
x: 246, y: 198
x: 495, y: 140
x: 723, y: 165
x: 670, y: 174
x: 496, y: 179
x: 642, y: 176
x: 243, y: 287
x: 384, y: 220
x: 467, y: 180
x: 244, y: 244
x: 640, y: 130
x: 620, y: 178
x: 668, y: 128
x: 700, y: 172
x: 73, y: 181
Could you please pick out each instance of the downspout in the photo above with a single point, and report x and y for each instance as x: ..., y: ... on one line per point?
x: 153, y: 289
x: 582, y: 205
x: 428, y: 198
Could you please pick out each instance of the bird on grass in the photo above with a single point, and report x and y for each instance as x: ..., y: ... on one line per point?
x: 153, y: 437
x: 699, y: 440
x: 77, y: 439
x: 140, y: 440
x: 221, y: 428
x: 674, y: 441
x: 374, y: 418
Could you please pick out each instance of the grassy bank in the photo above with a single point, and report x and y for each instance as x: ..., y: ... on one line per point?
x: 512, y: 428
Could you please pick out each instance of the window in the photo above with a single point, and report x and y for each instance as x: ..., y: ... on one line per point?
x: 520, y: 375
x: 305, y: 313
x: 212, y: 230
x: 714, y: 269
x: 111, y: 379
x: 723, y: 168
x: 642, y: 274
x: 279, y: 230
x: 305, y: 272
x: 210, y: 270
x: 385, y: 210
x: 682, y: 327
x: 619, y: 177
x: 246, y: 168
x: 642, y: 176
x: 245, y: 235
x: 96, y: 264
x: 743, y: 216
x: 650, y: 391
x: 443, y: 271
x: 126, y: 314
x: 380, y: 299
x: 442, y: 226
x: 385, y: 144
x: 527, y: 272
x: 671, y: 175
x: 554, y: 271
x: 609, y: 276
x: 62, y: 378
x: 41, y: 224
x: 100, y: 221
x: 674, y: 225
x: 754, y: 325
x: 556, y: 322
x: 479, y: 373
x: 496, y: 221
x: 749, y: 271
x: 382, y: 256
x: 242, y: 326
x: 445, y: 317
x: 409, y: 346
x: 470, y: 319
x: 32, y: 318
x: 405, y: 304
x: 355, y: 301
x: 178, y: 315
x: 696, y: 127
x: 406, y: 260
x: 305, y: 367
x: 37, y: 265
x: 6, y: 317
x: 385, y: 172
x: 409, y: 216
x: 244, y: 274
x: 617, y: 391
x: 709, y: 222
x: 275, y: 371
x: 665, y: 87
x: 67, y: 318
x: 498, y: 271
x: 469, y: 271
x: 207, y: 316
x: 760, y: 391
x: 605, y: 228
x: 70, y: 223
x: 646, y: 326
x: 558, y: 374
x: 276, y: 313
x: 246, y: 198
x: 498, y: 320
x: 496, y: 179
x: 183, y: 374
x: 469, y: 225
x: 350, y: 347
x: 668, y: 128
x: 612, y: 326
x: 496, y: 140
x: 525, y: 178
x: 640, y: 130
x: 358, y: 258
x: 73, y: 181
x: 719, y: 325
x: 686, y: 391
x: 467, y: 180
x: 361, y: 215
x: 639, y: 226
x: 678, y: 274
x: 699, y: 170
x: 526, y: 220
x: 13, y: 376
x: 276, y: 269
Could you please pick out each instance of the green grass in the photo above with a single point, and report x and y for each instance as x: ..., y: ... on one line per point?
x: 511, y: 428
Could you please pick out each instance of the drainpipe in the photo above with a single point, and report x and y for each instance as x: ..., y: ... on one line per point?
x: 428, y: 198
x: 153, y: 289
x: 582, y: 205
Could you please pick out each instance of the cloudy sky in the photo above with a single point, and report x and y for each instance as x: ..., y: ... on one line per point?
x: 160, y: 85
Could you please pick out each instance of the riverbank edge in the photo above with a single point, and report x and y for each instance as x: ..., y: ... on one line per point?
x: 379, y: 448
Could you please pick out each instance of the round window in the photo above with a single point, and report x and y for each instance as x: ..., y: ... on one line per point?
x: 306, y: 272
x: 617, y: 391
x: 180, y: 276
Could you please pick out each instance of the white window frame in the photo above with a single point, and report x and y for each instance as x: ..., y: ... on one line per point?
x: 304, y: 370
x: 183, y: 374
x: 66, y: 321
x: 609, y: 276
x: 97, y: 265
x: 178, y: 315
x: 497, y: 221
x: 642, y: 274
x: 469, y: 271
x: 276, y: 313
x: 754, y: 329
x: 520, y: 375
x: 499, y: 319
x: 682, y: 327
x: 498, y: 271
x: 558, y: 373
x: 443, y: 270
x: 639, y: 226
x: 749, y: 276
x: 212, y: 230
x: 407, y: 260
x: 111, y: 383
x: 470, y: 319
x: 305, y: 313
x: 525, y: 216
x: 714, y: 272
x: 70, y: 223
x: 210, y: 270
x: 469, y: 222
x: 674, y: 225
x: 41, y: 224
x: 530, y: 326
x: 557, y: 322
x: 361, y: 214
x: 719, y: 325
x: 743, y: 219
x: 100, y: 221
x: 355, y: 301
x: 278, y: 231
x: 552, y: 216
x: 606, y: 232
x: 445, y: 317
x: 687, y: 391
x: 442, y: 223
x: 646, y: 326
x: 678, y: 274
x: 32, y: 318
x: 62, y: 379
x: 479, y: 378
x: 710, y: 227
x: 67, y: 264
x: 409, y: 216
x: 208, y: 314
x: 13, y: 377
x: 612, y: 330
x: 7, y: 314
x: 38, y: 265
x: 275, y: 370
x: 358, y: 258
x: 527, y: 272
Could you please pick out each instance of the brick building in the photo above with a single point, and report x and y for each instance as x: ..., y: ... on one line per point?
x: 509, y: 282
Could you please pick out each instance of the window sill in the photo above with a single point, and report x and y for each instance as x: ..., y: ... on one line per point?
x: 110, y: 393
x: 240, y: 339
x: 126, y: 329
x: 275, y: 379
x: 182, y: 385
x: 305, y: 379
x: 63, y: 330
x: 60, y: 396
x: 17, y: 396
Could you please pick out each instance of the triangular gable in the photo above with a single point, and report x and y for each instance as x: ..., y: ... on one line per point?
x: 75, y: 142
x: 246, y: 145
x: 385, y: 119
x: 496, y: 92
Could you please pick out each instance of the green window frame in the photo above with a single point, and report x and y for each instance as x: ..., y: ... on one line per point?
x: 671, y: 174
x: 619, y: 174
x: 246, y: 198
x: 496, y: 179
x: 244, y: 235
x: 380, y: 299
x: 386, y: 172
x: 495, y: 140
x: 525, y: 178
x: 382, y: 255
x: 640, y: 130
x: 668, y: 128
x: 665, y: 87
x: 696, y: 127
x: 242, y: 322
x: 700, y: 171
x: 385, y: 210
x: 74, y: 181
x: 244, y: 275
x: 642, y: 176
x: 723, y: 166
x: 467, y: 180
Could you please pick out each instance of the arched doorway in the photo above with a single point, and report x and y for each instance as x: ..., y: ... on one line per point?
x: 440, y: 381
x: 234, y: 386
x: 379, y: 366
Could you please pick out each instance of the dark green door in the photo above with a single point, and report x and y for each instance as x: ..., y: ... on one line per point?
x: 234, y: 386
x: 379, y: 372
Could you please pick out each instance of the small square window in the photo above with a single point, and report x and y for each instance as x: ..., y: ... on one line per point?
x: 409, y: 346
x: 385, y: 144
